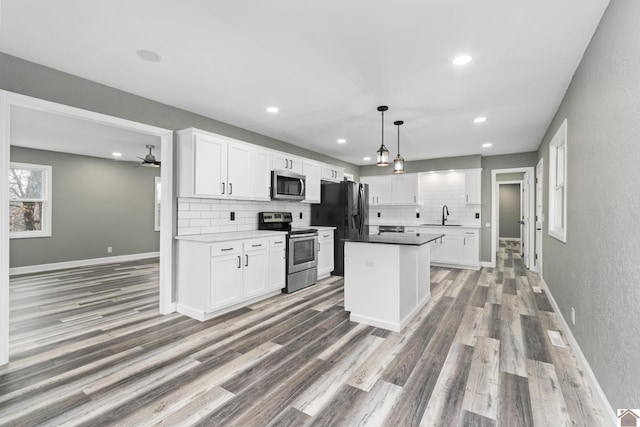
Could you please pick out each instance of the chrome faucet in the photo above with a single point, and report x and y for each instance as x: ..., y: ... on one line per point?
x: 445, y: 215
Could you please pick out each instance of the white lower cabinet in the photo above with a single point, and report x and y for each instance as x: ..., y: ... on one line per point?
x: 226, y: 282
x: 255, y: 267
x: 325, y: 253
x: 470, y: 248
x: 277, y: 263
x: 215, y: 278
x: 458, y: 247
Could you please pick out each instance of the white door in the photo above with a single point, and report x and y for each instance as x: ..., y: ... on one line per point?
x: 539, y: 216
x: 255, y: 273
x: 210, y: 167
x: 226, y: 280
x: 239, y: 181
x: 526, y: 221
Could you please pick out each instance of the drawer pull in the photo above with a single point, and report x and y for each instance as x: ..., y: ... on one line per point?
x: 278, y: 242
x: 256, y: 246
x: 226, y: 249
x: 326, y: 235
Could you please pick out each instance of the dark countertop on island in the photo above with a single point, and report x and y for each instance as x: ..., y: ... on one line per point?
x: 414, y: 239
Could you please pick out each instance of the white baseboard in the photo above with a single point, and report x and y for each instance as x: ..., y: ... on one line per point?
x: 582, y: 361
x: 488, y: 264
x: 80, y: 263
x: 511, y: 239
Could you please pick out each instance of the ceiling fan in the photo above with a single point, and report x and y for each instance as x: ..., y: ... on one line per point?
x: 149, y: 160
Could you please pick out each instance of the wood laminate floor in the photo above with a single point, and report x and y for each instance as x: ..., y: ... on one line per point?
x: 88, y: 348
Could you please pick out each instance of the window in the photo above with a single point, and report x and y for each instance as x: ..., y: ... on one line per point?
x: 29, y: 200
x: 558, y: 184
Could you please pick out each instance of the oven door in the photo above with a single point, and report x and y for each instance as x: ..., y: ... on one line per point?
x: 303, y: 252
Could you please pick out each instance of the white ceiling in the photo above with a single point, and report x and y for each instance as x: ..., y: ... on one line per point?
x: 328, y: 64
x: 55, y: 132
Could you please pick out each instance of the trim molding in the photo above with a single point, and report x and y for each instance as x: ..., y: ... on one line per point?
x: 80, y: 263
x: 488, y: 264
x: 582, y: 361
x: 511, y: 239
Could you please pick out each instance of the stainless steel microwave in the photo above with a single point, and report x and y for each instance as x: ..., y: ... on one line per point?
x: 287, y: 185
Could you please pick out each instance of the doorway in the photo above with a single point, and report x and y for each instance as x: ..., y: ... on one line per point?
x: 525, y: 176
x: 539, y: 215
x: 510, y: 210
x: 11, y: 102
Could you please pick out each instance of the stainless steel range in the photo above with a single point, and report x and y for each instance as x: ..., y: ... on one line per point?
x: 302, y: 249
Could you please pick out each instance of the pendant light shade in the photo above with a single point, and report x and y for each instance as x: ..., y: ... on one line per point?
x: 383, y: 152
x: 398, y: 163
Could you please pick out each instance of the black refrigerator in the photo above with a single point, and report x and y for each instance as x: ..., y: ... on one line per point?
x: 344, y: 205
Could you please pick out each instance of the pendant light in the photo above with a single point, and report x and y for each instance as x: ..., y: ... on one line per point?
x: 398, y: 163
x: 383, y: 153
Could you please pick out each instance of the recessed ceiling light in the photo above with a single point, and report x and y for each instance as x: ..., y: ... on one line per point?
x: 149, y: 55
x: 452, y: 170
x: 479, y: 120
x: 432, y: 171
x: 272, y: 109
x: 366, y: 159
x: 116, y: 154
x: 342, y: 141
x: 487, y: 145
x: 462, y: 59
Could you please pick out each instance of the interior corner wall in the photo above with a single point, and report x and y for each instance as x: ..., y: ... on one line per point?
x: 31, y: 79
x: 96, y: 203
x: 597, y: 270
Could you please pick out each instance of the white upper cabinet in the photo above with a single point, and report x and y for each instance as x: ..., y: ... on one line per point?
x: 473, y: 187
x: 284, y: 161
x: 332, y: 173
x: 261, y: 174
x: 239, y: 181
x: 214, y: 166
x: 311, y: 171
x: 406, y: 189
x: 205, y: 158
x: 393, y: 189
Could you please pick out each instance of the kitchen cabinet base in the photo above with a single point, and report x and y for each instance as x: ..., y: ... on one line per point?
x: 204, y: 316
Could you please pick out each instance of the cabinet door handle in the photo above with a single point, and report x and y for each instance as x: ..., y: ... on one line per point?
x: 230, y: 188
x: 464, y: 241
x: 414, y: 199
x: 222, y: 188
x: 467, y: 197
x: 246, y: 260
x: 318, y: 245
x: 239, y: 261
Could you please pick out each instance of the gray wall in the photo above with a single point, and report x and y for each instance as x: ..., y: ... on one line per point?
x: 515, y: 176
x: 28, y: 78
x: 462, y: 162
x: 509, y: 211
x: 96, y: 203
x: 597, y: 271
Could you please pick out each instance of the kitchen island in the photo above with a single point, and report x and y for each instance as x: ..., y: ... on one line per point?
x: 387, y: 278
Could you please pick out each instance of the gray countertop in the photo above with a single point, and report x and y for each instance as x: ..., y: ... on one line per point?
x: 413, y: 239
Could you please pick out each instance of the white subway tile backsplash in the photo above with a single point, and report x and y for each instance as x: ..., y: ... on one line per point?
x: 201, y: 216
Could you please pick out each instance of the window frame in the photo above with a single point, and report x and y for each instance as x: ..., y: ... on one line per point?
x: 46, y: 200
x: 558, y: 183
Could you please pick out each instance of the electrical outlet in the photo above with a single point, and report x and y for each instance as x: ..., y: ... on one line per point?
x: 378, y: 214
x: 300, y: 215
x: 573, y: 315
x: 109, y: 249
x: 232, y: 216
x: 417, y: 214
x: 477, y: 215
